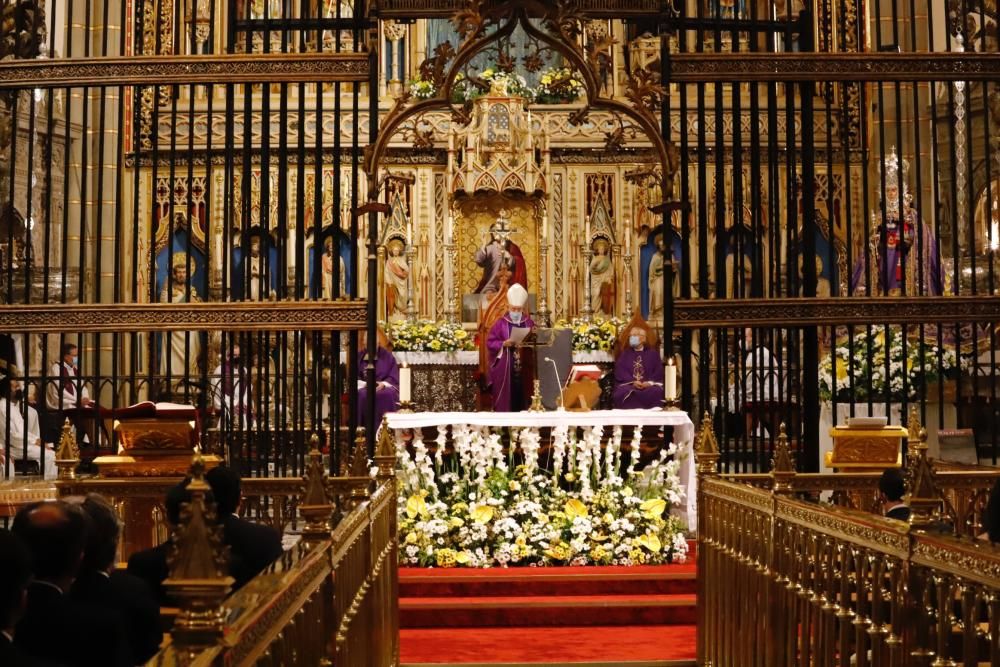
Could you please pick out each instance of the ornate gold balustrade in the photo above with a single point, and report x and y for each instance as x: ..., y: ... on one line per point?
x: 829, y: 585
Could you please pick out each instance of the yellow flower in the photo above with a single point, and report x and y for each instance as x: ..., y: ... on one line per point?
x: 575, y: 508
x: 415, y: 506
x: 445, y: 558
x: 627, y: 491
x: 570, y: 477
x: 462, y: 557
x: 841, y: 368
x: 599, y: 537
x: 650, y: 541
x: 482, y: 514
x: 411, y: 538
x: 653, y: 508
x: 456, y: 522
x: 461, y: 334
x: 435, y: 345
x: 557, y: 551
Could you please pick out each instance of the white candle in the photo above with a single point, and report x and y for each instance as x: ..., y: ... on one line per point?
x: 628, y: 239
x: 670, y: 381
x: 404, y: 383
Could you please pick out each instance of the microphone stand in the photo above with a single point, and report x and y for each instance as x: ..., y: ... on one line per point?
x: 559, y: 406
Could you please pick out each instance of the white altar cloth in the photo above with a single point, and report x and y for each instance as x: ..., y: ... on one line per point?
x: 678, y: 419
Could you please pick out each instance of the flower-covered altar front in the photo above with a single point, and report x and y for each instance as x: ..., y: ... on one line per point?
x: 542, y: 489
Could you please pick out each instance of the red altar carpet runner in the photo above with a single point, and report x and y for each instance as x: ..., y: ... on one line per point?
x: 598, y: 616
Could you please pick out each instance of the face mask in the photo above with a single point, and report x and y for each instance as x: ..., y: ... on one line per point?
x: 633, y: 341
x: 515, y: 317
x: 76, y: 360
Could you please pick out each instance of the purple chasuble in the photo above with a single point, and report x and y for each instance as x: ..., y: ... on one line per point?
x: 505, y: 388
x: 386, y: 397
x: 649, y: 368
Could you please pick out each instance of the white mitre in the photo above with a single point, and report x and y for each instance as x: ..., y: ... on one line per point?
x: 517, y: 296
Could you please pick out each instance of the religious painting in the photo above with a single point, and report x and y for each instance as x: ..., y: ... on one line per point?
x: 335, y: 246
x: 256, y: 268
x: 481, y: 251
x: 653, y: 254
x: 602, y: 278
x: 395, y: 281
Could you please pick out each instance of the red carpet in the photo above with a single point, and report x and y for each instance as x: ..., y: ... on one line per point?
x: 647, y: 643
x: 557, y: 616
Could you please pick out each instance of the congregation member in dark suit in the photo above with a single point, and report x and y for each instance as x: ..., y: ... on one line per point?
x: 892, y: 488
x: 54, y: 626
x: 15, y: 575
x: 150, y: 565
x: 98, y: 583
x: 252, y: 546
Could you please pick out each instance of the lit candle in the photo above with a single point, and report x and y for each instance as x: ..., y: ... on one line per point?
x: 670, y: 381
x: 404, y: 383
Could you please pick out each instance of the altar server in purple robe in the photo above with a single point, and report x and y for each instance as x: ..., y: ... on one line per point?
x: 386, y: 379
x: 638, y: 373
x: 507, y: 363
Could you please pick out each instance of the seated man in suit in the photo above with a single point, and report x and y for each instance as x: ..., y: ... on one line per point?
x: 55, y: 627
x: 252, y: 546
x: 638, y: 370
x: 891, y: 489
x: 98, y: 583
x: 15, y: 574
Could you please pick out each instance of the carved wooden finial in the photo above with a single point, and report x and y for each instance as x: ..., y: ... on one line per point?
x: 924, y: 499
x: 359, y: 459
x: 706, y: 450
x: 199, y: 563
x: 316, y: 507
x: 782, y: 468
x: 68, y: 456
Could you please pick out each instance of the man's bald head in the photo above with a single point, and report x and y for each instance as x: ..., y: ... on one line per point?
x: 55, y: 533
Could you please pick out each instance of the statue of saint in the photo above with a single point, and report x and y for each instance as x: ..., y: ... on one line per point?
x: 494, y: 254
x: 253, y: 270
x: 327, y: 277
x: 656, y: 281
x: 602, y: 279
x: 396, y: 273
x: 180, y: 350
x: 907, y: 260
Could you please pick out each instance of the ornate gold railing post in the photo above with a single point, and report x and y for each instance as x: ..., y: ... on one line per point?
x: 775, y: 597
x: 68, y: 456
x: 199, y: 565
x: 706, y: 456
x: 385, y: 459
x: 316, y: 507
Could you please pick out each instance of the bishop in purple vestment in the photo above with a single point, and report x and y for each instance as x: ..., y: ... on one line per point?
x: 638, y: 374
x: 505, y: 360
x: 386, y: 382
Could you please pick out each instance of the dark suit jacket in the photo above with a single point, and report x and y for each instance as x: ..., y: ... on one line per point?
x: 55, y: 627
x: 900, y: 512
x: 150, y: 565
x: 253, y: 547
x: 132, y: 598
x: 12, y: 656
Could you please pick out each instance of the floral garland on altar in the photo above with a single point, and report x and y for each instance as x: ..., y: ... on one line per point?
x: 427, y: 336
x: 863, y: 358
x: 556, y: 85
x: 478, y: 508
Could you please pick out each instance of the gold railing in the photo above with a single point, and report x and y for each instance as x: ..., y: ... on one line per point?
x: 332, y: 601
x: 828, y: 585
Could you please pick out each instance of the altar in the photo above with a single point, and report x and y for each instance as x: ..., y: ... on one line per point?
x: 480, y: 494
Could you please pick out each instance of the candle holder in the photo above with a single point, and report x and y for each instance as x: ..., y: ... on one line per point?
x: 536, y: 398
x: 672, y: 404
x: 406, y: 407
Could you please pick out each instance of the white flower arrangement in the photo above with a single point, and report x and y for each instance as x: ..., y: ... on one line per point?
x: 427, y: 336
x: 597, y: 334
x: 482, y: 507
x: 876, y: 366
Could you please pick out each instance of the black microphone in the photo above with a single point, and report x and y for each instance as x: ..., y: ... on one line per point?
x: 556, y: 369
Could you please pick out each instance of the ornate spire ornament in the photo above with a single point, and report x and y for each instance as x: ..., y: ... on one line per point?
x: 199, y: 564
x: 385, y: 452
x: 68, y: 456
x: 706, y: 449
x: 924, y: 500
x: 316, y: 507
x: 782, y: 467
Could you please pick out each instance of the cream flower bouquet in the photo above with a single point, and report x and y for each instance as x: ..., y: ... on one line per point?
x: 597, y: 334
x: 481, y: 508
x: 427, y: 336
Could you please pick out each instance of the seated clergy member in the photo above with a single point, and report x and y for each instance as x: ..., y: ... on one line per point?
x: 54, y: 626
x: 252, y: 546
x: 505, y: 363
x: 638, y: 369
x: 386, y: 379
x: 69, y: 393
x: 99, y: 585
x: 22, y: 431
x: 891, y: 488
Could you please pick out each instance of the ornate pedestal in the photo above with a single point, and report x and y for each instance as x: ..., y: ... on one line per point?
x: 866, y: 450
x: 152, y: 445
